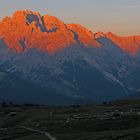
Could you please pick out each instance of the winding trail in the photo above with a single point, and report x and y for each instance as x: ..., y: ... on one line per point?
x: 39, y: 132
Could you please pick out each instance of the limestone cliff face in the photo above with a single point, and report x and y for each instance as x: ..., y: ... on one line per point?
x: 130, y: 44
x: 83, y: 35
x: 27, y: 29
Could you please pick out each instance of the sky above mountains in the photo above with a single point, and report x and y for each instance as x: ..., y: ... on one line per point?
x: 118, y: 16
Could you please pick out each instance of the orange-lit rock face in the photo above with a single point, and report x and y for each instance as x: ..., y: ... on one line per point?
x: 83, y: 36
x: 99, y: 35
x: 128, y: 44
x: 27, y: 29
x: 17, y: 30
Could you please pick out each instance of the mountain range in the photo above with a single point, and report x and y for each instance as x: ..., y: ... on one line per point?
x: 43, y: 60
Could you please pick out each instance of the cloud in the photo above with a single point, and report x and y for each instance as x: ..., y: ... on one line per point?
x: 127, y: 6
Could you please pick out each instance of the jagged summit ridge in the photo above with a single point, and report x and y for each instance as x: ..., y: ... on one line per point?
x: 28, y: 29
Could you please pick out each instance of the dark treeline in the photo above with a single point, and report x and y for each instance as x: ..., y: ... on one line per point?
x: 12, y: 104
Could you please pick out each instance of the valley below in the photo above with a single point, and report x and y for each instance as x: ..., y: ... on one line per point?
x: 117, y: 120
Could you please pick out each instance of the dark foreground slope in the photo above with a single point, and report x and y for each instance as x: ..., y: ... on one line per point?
x: 16, y: 90
x: 119, y: 120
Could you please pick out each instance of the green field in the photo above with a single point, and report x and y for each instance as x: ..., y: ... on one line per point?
x: 119, y: 120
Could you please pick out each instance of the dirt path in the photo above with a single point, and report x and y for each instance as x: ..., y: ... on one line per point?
x: 39, y: 132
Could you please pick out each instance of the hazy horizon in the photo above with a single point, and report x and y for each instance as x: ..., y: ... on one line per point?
x: 119, y: 17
